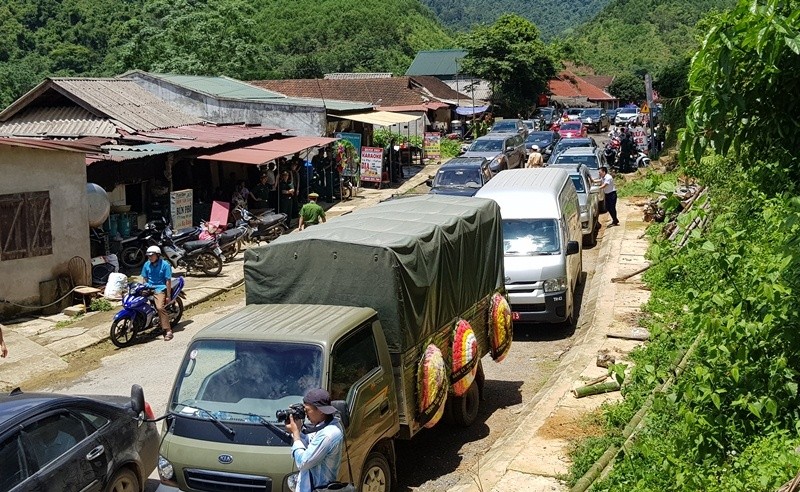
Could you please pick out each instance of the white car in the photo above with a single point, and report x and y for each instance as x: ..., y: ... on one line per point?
x: 627, y: 115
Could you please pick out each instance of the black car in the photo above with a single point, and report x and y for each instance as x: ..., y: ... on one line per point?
x: 595, y: 119
x: 61, y: 443
x: 547, y: 116
x: 545, y: 140
x: 461, y: 176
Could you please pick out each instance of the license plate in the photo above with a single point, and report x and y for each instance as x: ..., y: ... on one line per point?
x: 218, y: 251
x: 514, y: 316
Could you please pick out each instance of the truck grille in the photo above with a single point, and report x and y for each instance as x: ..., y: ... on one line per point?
x: 216, y: 481
x: 528, y: 308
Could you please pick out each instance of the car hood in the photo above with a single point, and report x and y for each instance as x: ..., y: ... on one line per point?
x: 529, y: 269
x: 454, y: 190
x: 489, y: 155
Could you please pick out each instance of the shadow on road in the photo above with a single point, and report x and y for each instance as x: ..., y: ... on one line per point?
x: 435, y: 452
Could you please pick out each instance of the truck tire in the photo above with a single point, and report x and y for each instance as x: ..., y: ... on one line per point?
x: 377, y: 475
x: 124, y: 480
x: 465, y: 408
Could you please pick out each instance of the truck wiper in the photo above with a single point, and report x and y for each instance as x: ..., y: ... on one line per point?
x: 224, y: 428
x: 281, y: 433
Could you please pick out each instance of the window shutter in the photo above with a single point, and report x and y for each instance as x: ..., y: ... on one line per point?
x: 39, y: 231
x: 25, y: 225
x: 12, y: 219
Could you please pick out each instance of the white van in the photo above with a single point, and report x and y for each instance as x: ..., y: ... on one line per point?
x: 541, y: 241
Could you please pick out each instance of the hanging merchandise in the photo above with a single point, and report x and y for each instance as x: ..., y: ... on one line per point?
x: 501, y: 330
x: 432, y: 386
x: 465, y: 358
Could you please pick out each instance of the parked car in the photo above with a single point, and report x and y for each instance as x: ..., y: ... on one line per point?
x: 546, y: 140
x: 572, y: 129
x: 573, y: 113
x: 511, y: 125
x: 461, y: 176
x: 595, y: 119
x: 588, y: 200
x: 532, y: 125
x: 591, y: 157
x: 627, y: 115
x: 548, y: 115
x: 51, y: 442
x: 567, y: 143
x: 503, y: 150
x: 611, y: 114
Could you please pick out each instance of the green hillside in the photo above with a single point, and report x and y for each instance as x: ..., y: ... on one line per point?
x: 639, y: 35
x: 246, y: 39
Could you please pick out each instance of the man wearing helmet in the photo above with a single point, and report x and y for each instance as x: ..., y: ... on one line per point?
x: 535, y: 159
x: 157, y: 273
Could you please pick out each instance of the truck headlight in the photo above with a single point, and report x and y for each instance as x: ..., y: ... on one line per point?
x: 290, y: 482
x: 555, y: 285
x: 165, y: 469
x: 584, y: 209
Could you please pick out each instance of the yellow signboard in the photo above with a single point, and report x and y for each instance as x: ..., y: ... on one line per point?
x: 645, y: 109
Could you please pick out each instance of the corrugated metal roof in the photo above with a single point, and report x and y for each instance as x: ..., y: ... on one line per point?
x: 124, y: 101
x: 204, y: 136
x: 481, y: 88
x: 437, y: 62
x: 58, y: 122
x: 381, y: 118
x: 246, y: 155
x: 223, y: 87
x: 268, y: 151
x: 30, y: 143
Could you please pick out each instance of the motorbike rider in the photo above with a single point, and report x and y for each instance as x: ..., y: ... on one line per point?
x: 157, y: 274
x: 627, y: 147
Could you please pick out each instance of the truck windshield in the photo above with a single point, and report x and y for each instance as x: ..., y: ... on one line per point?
x: 530, y: 237
x: 225, y: 376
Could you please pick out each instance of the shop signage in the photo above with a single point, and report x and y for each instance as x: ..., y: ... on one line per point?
x: 371, y: 164
x: 640, y: 137
x: 431, y: 145
x: 353, y: 138
x: 180, y: 206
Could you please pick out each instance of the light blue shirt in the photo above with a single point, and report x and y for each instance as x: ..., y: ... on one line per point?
x: 156, y: 275
x: 318, y: 455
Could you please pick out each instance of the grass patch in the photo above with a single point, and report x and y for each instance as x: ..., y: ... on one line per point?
x: 67, y: 322
x: 642, y: 183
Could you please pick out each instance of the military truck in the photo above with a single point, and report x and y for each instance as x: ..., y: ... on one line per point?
x: 358, y: 306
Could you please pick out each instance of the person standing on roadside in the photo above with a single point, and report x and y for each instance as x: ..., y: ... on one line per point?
x: 311, y: 213
x: 535, y: 159
x: 3, y: 349
x: 607, y: 186
x: 286, y: 189
x: 157, y: 274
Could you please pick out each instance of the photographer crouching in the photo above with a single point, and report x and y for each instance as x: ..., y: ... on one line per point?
x: 316, y: 449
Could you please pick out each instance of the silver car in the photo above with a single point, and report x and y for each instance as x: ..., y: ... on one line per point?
x: 588, y: 199
x: 503, y: 150
x: 591, y: 157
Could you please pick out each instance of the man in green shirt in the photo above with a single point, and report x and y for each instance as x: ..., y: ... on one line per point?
x: 311, y: 213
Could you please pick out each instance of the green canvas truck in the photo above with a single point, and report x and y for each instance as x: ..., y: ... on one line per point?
x: 359, y: 306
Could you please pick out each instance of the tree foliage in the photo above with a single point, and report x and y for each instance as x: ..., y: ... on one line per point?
x: 629, y: 88
x: 512, y: 57
x: 550, y: 16
x: 245, y: 39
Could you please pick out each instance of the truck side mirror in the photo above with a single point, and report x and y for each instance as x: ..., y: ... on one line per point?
x: 344, y: 412
x: 573, y: 248
x: 137, y: 399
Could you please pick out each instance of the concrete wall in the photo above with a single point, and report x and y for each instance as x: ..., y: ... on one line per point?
x: 63, y: 174
x: 301, y: 120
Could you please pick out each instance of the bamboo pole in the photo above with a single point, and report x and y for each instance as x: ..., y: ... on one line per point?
x: 595, y: 389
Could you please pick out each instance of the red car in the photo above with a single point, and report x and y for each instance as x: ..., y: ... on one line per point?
x: 572, y: 129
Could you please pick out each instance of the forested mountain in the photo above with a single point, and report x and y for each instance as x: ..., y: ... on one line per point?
x: 246, y: 39
x: 638, y: 35
x: 554, y: 18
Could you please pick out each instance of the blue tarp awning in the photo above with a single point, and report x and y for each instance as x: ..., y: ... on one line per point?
x: 470, y: 110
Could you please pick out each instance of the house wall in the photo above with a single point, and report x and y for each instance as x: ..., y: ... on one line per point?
x: 63, y: 174
x: 301, y: 120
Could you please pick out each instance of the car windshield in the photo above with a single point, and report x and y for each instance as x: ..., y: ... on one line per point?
x: 539, y: 138
x: 530, y: 237
x: 505, y: 125
x: 578, y: 182
x: 458, y: 177
x: 571, y: 125
x: 486, y: 146
x: 220, y: 376
x: 565, y: 144
x: 574, y: 111
x: 589, y: 161
x: 593, y: 113
x: 628, y: 111
x: 546, y: 112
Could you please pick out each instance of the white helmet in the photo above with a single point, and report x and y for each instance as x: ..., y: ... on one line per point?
x: 535, y: 148
x: 153, y: 250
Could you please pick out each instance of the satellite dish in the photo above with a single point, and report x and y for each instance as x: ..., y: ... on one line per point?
x: 99, y: 204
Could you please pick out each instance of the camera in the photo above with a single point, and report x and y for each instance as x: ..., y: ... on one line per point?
x: 296, y: 410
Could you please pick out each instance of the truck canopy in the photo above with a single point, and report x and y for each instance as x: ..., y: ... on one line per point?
x: 419, y: 262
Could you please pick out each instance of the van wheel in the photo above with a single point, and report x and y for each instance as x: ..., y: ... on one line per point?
x: 465, y: 408
x: 377, y: 476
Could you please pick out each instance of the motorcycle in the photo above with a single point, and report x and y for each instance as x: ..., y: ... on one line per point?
x: 229, y: 240
x: 203, y: 255
x: 265, y: 227
x: 139, y: 312
x: 133, y: 256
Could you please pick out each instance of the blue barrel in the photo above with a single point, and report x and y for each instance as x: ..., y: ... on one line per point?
x: 124, y: 224
x: 113, y: 225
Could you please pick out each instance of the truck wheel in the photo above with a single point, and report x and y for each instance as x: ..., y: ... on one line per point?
x: 123, y: 481
x: 377, y: 476
x: 465, y: 408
